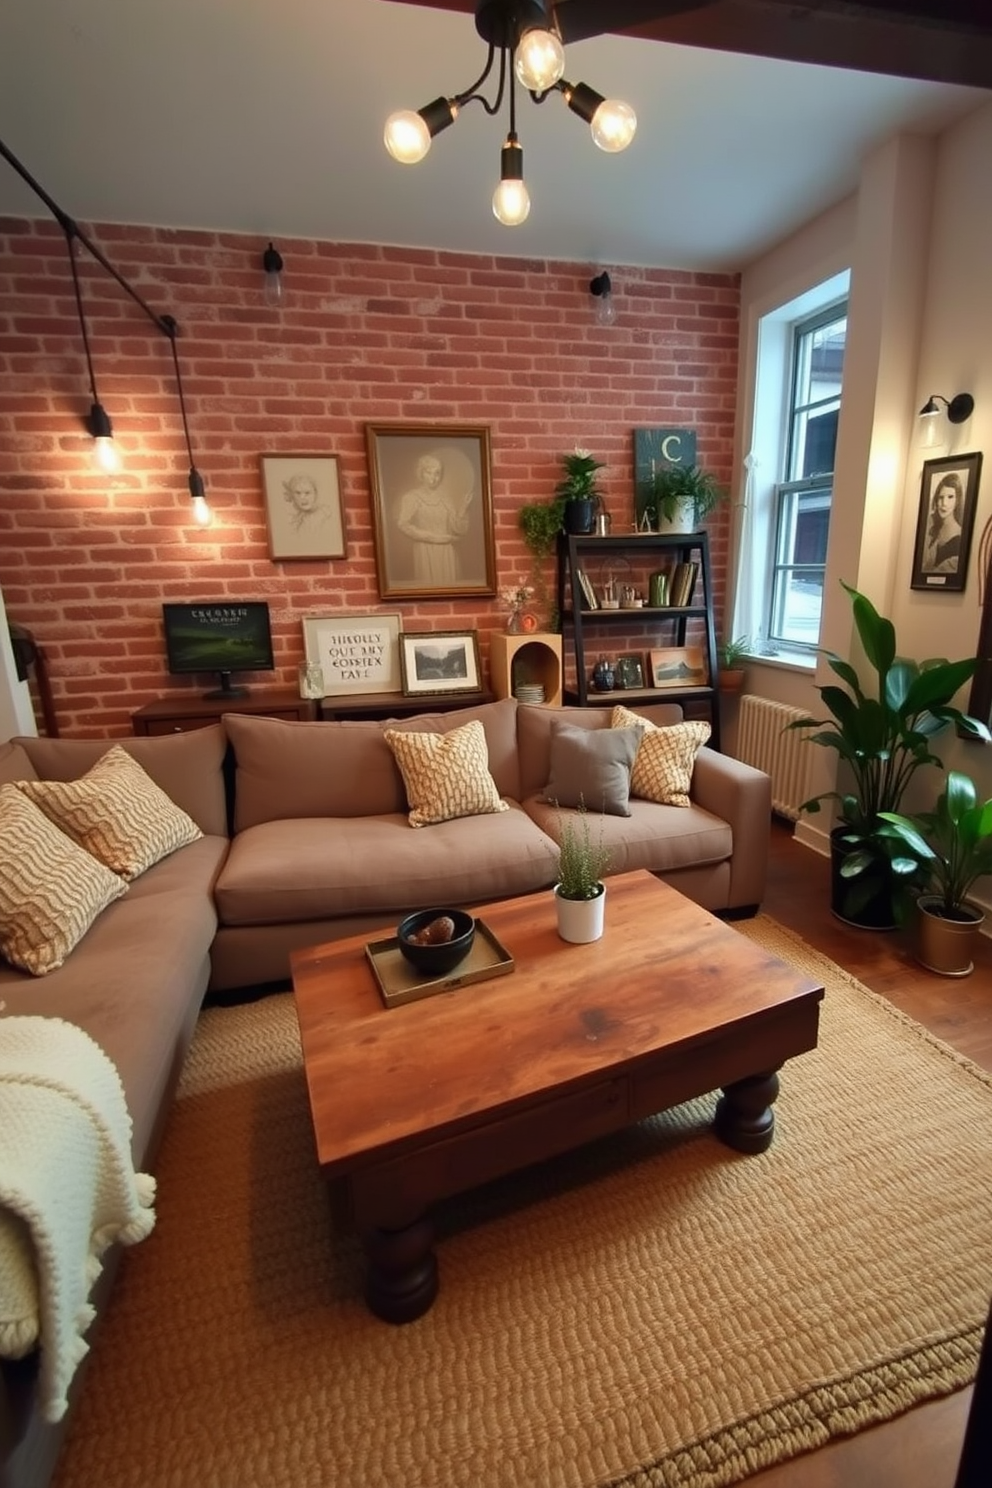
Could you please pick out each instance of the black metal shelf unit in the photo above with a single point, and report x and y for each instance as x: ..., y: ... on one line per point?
x: 574, y: 554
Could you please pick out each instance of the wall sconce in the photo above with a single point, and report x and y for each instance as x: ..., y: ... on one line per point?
x: 272, y: 265
x: 959, y: 408
x: 106, y: 455
x: 601, y: 288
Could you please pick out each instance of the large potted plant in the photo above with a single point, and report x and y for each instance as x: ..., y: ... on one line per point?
x: 580, y: 893
x: 953, y: 844
x: 882, y: 736
x: 683, y: 496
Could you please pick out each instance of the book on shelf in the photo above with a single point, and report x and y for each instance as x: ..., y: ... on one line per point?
x: 682, y: 585
x: 588, y: 592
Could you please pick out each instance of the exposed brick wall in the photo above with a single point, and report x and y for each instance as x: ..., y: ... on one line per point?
x: 366, y: 334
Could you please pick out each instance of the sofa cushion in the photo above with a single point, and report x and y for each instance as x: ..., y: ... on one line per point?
x: 116, y: 812
x: 51, y: 891
x: 534, y: 725
x: 188, y: 767
x: 446, y: 775
x: 665, y: 757
x: 591, y: 767
x: 320, y: 868
x: 664, y: 839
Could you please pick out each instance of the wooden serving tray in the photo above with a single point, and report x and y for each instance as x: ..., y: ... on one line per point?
x: 399, y: 982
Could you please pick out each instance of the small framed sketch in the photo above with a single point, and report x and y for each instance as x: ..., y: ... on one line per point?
x: 948, y: 498
x: 437, y: 661
x: 678, y: 666
x: 630, y: 671
x: 356, y: 653
x: 303, y: 506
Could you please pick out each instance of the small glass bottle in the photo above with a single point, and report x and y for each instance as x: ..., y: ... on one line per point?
x: 311, y: 676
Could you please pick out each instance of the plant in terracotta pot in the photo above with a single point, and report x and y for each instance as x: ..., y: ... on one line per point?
x: 730, y: 656
x: 580, y: 893
x: 883, y: 736
x: 953, y: 845
x: 683, y: 496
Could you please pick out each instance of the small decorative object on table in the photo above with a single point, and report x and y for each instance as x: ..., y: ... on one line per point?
x: 516, y: 597
x: 580, y: 894
x: 311, y: 678
x: 603, y: 675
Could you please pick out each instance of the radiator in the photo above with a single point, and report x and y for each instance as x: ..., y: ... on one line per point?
x: 762, y: 741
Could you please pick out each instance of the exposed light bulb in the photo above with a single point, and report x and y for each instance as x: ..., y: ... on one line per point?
x: 106, y: 455
x: 272, y: 291
x: 605, y: 311
x: 539, y: 60
x: 407, y: 137
x: 931, y: 434
x: 511, y: 203
x: 613, y: 125
x: 202, y: 515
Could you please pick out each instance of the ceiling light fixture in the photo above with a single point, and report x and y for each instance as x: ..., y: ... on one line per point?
x: 526, y: 28
x: 959, y: 408
x: 106, y: 455
x: 272, y: 265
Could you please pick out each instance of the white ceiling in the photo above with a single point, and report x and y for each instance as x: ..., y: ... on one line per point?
x: 265, y: 117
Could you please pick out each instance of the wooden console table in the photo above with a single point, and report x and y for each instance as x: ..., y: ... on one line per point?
x: 177, y: 715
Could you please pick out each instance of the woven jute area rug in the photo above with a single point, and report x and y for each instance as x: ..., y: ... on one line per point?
x: 651, y: 1310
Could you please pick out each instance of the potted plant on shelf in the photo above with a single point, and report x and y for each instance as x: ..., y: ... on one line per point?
x: 580, y: 893
x: 683, y: 496
x: 953, y: 845
x: 578, y: 492
x: 730, y: 655
x: 882, y: 740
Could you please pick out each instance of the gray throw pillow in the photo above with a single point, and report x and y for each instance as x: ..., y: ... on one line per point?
x: 591, y: 767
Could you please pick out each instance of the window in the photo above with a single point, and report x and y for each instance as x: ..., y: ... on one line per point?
x: 802, y: 499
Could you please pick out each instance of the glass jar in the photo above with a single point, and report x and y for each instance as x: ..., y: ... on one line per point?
x: 311, y: 675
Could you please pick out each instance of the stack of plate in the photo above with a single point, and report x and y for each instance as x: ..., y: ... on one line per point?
x: 529, y: 692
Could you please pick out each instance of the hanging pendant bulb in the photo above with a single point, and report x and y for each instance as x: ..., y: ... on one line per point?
x: 539, y: 60
x: 106, y: 455
x: 272, y: 291
x: 613, y: 125
x: 511, y: 202
x: 202, y: 515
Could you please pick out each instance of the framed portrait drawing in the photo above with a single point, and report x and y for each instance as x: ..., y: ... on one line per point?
x: 678, y: 666
x: 303, y: 506
x: 948, y: 498
x: 356, y: 653
x: 432, y: 510
x: 440, y: 661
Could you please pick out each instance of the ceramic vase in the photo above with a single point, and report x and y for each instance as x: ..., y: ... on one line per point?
x: 943, y: 945
x: 581, y: 920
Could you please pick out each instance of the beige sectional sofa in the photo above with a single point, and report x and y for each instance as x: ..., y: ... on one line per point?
x: 306, y: 838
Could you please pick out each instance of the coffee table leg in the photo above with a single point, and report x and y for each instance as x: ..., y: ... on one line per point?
x: 744, y: 1116
x: 402, y: 1271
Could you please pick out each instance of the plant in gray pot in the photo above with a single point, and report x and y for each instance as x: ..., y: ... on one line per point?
x: 953, y: 845
x: 882, y: 736
x: 580, y: 893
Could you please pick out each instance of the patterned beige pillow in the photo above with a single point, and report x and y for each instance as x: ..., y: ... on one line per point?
x: 665, y: 757
x: 116, y: 812
x: 51, y: 891
x: 446, y: 775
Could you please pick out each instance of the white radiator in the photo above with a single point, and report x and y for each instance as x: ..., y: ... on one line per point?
x: 762, y: 741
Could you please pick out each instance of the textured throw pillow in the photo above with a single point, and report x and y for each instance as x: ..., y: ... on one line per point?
x: 665, y: 757
x: 51, y: 891
x: 591, y: 767
x: 446, y: 775
x: 116, y: 812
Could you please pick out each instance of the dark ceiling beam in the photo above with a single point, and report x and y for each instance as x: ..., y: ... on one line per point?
x: 943, y: 41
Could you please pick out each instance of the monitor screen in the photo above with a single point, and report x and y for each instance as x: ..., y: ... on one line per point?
x: 234, y: 636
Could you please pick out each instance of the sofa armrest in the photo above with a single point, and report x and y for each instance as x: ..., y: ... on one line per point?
x: 742, y: 796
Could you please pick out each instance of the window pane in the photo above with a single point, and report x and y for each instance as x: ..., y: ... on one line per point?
x: 800, y: 559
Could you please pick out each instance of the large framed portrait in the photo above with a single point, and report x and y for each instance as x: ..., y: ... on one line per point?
x: 356, y: 653
x: 440, y: 661
x: 432, y: 510
x: 948, y: 499
x: 303, y: 506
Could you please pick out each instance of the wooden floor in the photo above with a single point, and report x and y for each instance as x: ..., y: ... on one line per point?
x: 921, y: 1448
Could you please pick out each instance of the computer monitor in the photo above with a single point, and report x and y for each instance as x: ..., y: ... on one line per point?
x: 223, y: 636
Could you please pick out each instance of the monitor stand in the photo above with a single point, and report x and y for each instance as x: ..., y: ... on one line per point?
x: 225, y: 690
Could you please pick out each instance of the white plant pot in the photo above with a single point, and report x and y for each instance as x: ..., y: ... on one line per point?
x: 684, y: 519
x: 581, y: 920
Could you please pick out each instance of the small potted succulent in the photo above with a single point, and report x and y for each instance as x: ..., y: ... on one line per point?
x: 580, y: 893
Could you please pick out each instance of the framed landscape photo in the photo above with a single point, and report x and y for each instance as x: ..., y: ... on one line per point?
x: 432, y: 510
x: 437, y: 661
x: 946, y: 519
x: 356, y: 653
x: 303, y: 506
x: 678, y: 666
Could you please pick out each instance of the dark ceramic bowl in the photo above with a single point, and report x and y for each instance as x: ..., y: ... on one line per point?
x: 436, y: 960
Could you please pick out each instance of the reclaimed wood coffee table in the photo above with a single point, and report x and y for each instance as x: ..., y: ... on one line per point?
x: 416, y: 1102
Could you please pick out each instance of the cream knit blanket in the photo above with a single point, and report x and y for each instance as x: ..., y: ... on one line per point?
x: 68, y: 1189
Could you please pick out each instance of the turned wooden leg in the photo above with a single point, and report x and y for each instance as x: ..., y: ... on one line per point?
x: 744, y: 1117
x: 402, y: 1271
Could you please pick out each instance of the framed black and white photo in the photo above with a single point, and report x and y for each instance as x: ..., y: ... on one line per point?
x: 440, y: 661
x: 948, y: 499
x: 303, y: 506
x: 432, y: 510
x: 630, y: 671
x: 356, y: 653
